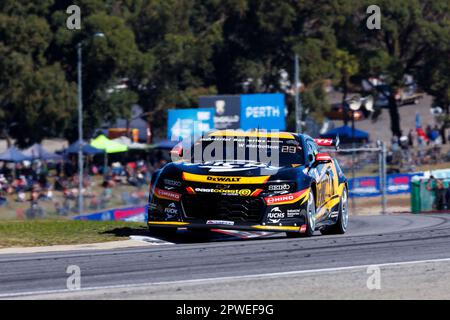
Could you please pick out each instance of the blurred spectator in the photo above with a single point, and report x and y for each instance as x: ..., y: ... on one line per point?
x: 438, y: 187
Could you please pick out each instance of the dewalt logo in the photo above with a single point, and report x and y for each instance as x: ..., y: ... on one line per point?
x: 223, y: 179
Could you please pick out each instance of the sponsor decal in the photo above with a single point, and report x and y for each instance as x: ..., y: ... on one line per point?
x: 172, y: 183
x: 324, y: 142
x: 224, y: 179
x: 291, y: 213
x: 245, y: 192
x: 168, y: 195
x: 240, y: 192
x: 259, y: 134
x: 275, y: 215
x: 286, y: 198
x: 303, y: 228
x: 234, y: 167
x: 279, y: 187
x: 190, y: 190
x: 225, y: 222
x: 171, y: 210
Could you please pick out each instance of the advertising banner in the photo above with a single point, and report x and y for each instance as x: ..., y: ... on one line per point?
x: 400, y: 183
x: 370, y: 186
x: 364, y: 187
x: 263, y: 111
x: 189, y: 123
x: 227, y: 110
x: 138, y: 214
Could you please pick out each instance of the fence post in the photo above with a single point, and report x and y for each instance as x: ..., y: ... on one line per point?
x: 383, y: 178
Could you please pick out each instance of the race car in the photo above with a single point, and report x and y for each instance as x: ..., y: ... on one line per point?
x: 261, y: 181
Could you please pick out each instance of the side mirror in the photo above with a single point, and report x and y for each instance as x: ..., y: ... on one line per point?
x: 323, y: 158
x: 177, y: 152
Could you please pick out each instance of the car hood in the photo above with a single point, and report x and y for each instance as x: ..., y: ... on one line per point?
x: 246, y: 169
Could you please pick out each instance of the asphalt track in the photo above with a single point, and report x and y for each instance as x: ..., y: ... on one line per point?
x: 412, y: 253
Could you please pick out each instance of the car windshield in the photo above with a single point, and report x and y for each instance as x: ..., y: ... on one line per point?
x: 272, y: 151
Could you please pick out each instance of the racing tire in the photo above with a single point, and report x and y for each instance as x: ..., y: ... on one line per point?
x: 310, y: 219
x: 340, y: 227
x: 162, y: 231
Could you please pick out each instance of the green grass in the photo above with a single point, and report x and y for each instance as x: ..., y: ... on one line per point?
x: 14, y: 233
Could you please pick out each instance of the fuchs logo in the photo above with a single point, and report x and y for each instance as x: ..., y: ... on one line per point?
x: 223, y: 179
x: 171, y: 210
x: 275, y: 215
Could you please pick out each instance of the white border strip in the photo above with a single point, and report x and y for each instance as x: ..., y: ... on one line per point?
x: 231, y: 278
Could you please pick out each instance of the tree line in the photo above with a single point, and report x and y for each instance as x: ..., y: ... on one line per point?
x: 169, y: 52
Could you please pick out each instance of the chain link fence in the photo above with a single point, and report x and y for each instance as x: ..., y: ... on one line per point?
x: 365, y: 169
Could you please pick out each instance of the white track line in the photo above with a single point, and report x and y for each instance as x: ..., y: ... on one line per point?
x: 230, y: 278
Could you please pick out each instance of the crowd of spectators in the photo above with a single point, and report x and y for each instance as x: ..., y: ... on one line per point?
x: 58, y: 184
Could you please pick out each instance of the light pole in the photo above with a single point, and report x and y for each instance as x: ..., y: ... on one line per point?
x: 80, y: 122
x: 80, y: 131
x: 298, y: 105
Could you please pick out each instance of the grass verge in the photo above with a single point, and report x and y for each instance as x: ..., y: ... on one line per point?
x: 14, y: 233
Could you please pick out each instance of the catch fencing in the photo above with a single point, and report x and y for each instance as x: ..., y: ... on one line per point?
x: 365, y: 169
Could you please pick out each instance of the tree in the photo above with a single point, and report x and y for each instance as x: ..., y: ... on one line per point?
x: 410, y: 31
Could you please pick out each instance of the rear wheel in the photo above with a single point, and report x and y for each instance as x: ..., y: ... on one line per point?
x: 340, y: 227
x: 310, y: 219
x: 162, y: 231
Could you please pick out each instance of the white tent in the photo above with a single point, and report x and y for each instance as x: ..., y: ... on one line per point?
x: 130, y: 144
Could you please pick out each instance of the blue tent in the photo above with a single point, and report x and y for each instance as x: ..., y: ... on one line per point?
x: 87, y: 148
x: 13, y: 155
x: 36, y: 151
x: 345, y: 134
x: 166, y: 144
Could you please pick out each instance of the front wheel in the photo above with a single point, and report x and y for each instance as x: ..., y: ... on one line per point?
x: 340, y: 227
x: 310, y: 219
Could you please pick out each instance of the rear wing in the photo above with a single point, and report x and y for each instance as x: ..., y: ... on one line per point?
x: 328, y: 142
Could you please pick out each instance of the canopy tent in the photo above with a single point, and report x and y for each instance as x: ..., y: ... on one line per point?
x: 130, y: 144
x: 36, y: 151
x: 165, y: 144
x: 86, y: 148
x: 346, y: 134
x: 109, y: 146
x: 13, y: 155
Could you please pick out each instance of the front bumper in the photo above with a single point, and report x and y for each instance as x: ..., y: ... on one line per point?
x: 279, y: 212
x: 255, y: 227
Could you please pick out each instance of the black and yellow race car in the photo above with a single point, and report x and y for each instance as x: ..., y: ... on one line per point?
x: 259, y: 181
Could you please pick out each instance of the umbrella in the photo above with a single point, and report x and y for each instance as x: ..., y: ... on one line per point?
x: 86, y: 148
x: 345, y: 133
x: 109, y: 146
x: 13, y: 155
x: 36, y: 151
x: 166, y: 144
